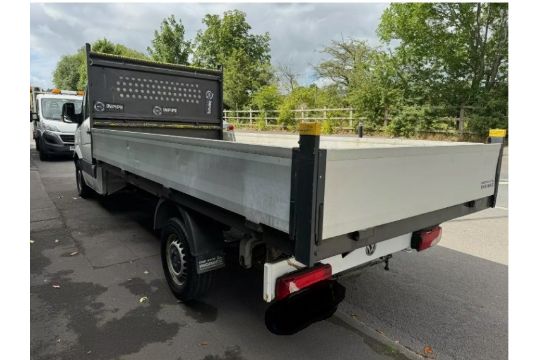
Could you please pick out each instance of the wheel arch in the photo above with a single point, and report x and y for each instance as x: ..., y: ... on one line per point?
x: 204, y: 235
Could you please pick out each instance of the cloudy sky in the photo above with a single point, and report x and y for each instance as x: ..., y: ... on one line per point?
x: 298, y: 31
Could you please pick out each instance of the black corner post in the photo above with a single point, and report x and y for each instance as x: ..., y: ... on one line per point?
x: 307, y: 194
x: 497, y: 177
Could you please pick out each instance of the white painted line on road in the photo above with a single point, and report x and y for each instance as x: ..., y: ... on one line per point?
x: 501, y: 207
x: 503, y: 182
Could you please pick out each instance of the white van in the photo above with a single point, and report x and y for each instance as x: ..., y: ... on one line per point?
x: 52, y: 135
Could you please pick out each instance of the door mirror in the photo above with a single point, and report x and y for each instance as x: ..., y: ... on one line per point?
x: 33, y: 116
x: 69, y: 115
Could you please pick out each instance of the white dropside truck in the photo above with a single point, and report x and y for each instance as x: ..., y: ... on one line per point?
x: 52, y: 135
x: 307, y: 208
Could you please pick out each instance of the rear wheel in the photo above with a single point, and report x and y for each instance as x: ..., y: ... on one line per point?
x: 83, y: 190
x: 179, y: 265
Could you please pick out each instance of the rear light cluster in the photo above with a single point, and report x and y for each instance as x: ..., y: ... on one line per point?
x: 292, y: 283
x: 424, y: 239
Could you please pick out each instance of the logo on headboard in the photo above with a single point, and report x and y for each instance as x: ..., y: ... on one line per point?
x: 157, y: 110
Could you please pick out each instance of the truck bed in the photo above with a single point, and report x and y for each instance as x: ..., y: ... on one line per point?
x: 323, y: 196
x: 373, y: 181
x: 368, y: 182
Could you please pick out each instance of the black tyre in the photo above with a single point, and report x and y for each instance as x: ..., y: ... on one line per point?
x: 43, y: 156
x: 83, y: 190
x: 179, y: 265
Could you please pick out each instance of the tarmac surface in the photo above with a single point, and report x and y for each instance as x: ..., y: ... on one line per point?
x: 97, y: 291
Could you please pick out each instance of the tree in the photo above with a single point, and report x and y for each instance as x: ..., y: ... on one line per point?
x: 168, y: 44
x: 376, y: 88
x: 456, y: 54
x: 368, y: 76
x: 237, y: 82
x: 107, y: 47
x: 287, y: 77
x: 246, y: 57
x: 267, y: 98
x: 70, y: 71
x: 308, y: 97
x: 345, y: 57
x: 66, y: 75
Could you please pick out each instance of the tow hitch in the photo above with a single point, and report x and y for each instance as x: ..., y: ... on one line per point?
x: 301, y: 309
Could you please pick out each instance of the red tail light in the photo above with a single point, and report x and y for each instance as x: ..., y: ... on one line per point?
x: 424, y: 239
x: 230, y: 127
x: 289, y: 284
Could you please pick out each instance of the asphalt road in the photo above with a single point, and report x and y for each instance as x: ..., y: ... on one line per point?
x: 92, y: 261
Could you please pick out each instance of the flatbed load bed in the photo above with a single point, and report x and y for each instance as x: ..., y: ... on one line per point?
x: 367, y: 182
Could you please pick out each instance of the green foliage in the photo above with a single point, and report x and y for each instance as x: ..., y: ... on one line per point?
x: 327, y: 127
x: 453, y: 54
x: 409, y: 120
x: 308, y: 98
x: 443, y: 56
x: 375, y: 87
x: 107, y: 47
x: 225, y: 34
x: 286, y: 116
x: 66, y: 75
x: 168, y: 45
x: 368, y: 76
x: 227, y: 41
x: 70, y: 71
x: 261, y: 122
x: 481, y: 124
x: 242, y: 78
x: 267, y: 98
x: 299, y: 97
x: 345, y: 58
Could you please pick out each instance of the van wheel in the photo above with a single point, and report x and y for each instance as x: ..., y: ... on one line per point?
x: 83, y: 190
x: 179, y: 265
x: 41, y: 149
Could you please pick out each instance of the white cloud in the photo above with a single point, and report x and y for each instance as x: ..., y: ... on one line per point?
x: 298, y: 31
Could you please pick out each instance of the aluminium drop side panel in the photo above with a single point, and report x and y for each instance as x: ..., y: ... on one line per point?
x: 370, y: 187
x: 251, y: 180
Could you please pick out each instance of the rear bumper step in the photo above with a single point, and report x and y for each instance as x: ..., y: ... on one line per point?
x: 339, y: 263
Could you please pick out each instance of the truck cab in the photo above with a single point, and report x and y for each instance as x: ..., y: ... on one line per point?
x: 52, y: 135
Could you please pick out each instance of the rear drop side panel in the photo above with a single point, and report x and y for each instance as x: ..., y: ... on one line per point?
x: 372, y: 187
x: 364, y: 196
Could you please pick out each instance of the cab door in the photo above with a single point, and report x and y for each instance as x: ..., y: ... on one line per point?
x: 83, y: 145
x: 84, y: 133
